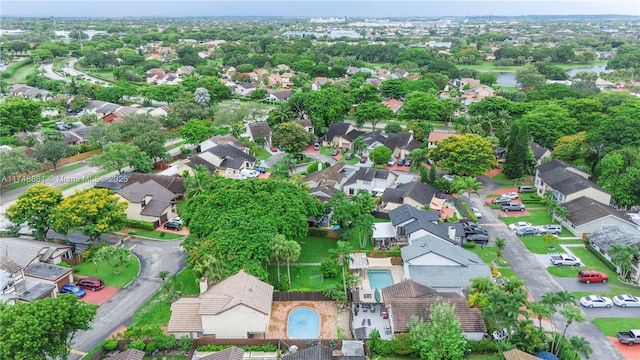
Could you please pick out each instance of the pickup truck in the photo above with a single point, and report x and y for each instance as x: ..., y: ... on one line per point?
x: 629, y: 337
x: 564, y: 259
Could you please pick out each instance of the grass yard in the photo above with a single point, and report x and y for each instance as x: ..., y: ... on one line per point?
x: 353, y: 161
x: 181, y: 206
x: 157, y: 311
x: 355, y: 242
x: 303, y: 278
x: 263, y: 154
x: 44, y: 176
x: 614, y: 291
x: 94, y: 176
x: 535, y: 217
x: 610, y: 326
x: 326, y: 151
x: 503, y: 181
x: 589, y: 261
x: 314, y: 249
x: 537, y: 246
x: 152, y: 234
x: 104, y: 272
x: 487, y: 254
x: 20, y: 76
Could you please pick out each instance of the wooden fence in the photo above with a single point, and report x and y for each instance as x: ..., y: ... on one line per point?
x: 282, y: 345
x: 49, y: 166
x: 300, y: 296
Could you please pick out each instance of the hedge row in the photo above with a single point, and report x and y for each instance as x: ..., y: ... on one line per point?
x: 317, y: 232
x: 600, y: 257
x: 260, y: 348
x: 144, y: 225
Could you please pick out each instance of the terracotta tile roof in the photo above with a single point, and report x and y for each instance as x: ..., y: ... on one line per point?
x: 128, y: 355
x: 403, y: 309
x: 515, y: 354
x: 438, y: 136
x: 239, y: 289
x: 232, y: 353
x: 185, y: 316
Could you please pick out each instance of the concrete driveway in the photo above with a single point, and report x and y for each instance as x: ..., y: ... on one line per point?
x: 538, y: 280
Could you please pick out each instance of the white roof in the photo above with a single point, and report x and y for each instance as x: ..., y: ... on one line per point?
x: 383, y: 230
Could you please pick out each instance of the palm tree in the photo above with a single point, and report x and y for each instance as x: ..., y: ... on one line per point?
x: 418, y: 156
x: 281, y: 114
x: 198, y: 182
x: 292, y: 253
x: 210, y: 268
x: 363, y: 225
x: 550, y: 240
x: 359, y: 145
x: 501, y: 243
x: 342, y: 254
x: 571, y: 314
x: 622, y: 257
x: 278, y: 250
x: 202, y: 97
x: 502, y: 119
x: 541, y: 310
x: 481, y: 285
x: 581, y: 345
x: 470, y: 185
x: 288, y: 162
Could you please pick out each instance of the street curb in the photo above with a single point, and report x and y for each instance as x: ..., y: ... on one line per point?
x: 146, y: 238
x: 138, y: 274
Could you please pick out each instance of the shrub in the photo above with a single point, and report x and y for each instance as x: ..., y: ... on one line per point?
x: 317, y: 232
x: 151, y: 347
x: 144, y: 225
x: 469, y: 245
x: 110, y: 344
x: 393, y: 253
x: 329, y: 268
x: 601, y: 257
x: 313, y: 167
x: 260, y: 348
x: 136, y: 344
x: 166, y: 342
x: 184, y: 344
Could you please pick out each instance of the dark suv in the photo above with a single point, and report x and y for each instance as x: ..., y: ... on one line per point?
x: 501, y: 200
x: 173, y: 225
x: 512, y: 207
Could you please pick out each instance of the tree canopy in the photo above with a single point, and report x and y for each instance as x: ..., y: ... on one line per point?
x: 35, y: 207
x: 469, y: 155
x: 291, y: 137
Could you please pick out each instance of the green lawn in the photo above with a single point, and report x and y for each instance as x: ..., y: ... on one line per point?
x: 44, y: 176
x: 128, y: 273
x: 326, y: 150
x: 353, y: 161
x: 355, y: 243
x: 153, y: 234
x: 20, y: 76
x: 537, y: 246
x: 178, y: 144
x: 589, y: 261
x: 263, y: 154
x: 614, y: 290
x: 94, y: 176
x: 486, y: 253
x: 314, y: 249
x: 157, y: 311
x: 535, y: 217
x: 610, y: 326
x: 503, y: 181
x: 300, y: 277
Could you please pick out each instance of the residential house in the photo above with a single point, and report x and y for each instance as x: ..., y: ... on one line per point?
x: 185, y: 70
x: 232, y: 353
x: 148, y: 201
x: 260, y: 129
x: 244, y: 89
x: 470, y: 83
x: 224, y: 160
x: 515, y: 354
x: 315, y: 352
x: 29, y: 92
x: 394, y: 104
x: 222, y: 140
x: 623, y: 235
x: 410, y: 298
x: 441, y: 265
x: 408, y: 223
x: 373, y: 81
x: 318, y: 82
x: 415, y: 193
x: 435, y: 136
x: 477, y: 93
x: 71, y: 138
x: 175, y: 183
x: 155, y: 57
x: 341, y: 135
x: 282, y: 67
x: 587, y: 215
x: 399, y: 74
x: 160, y: 111
x: 57, y: 276
x: 279, y: 95
x: 15, y: 287
x: 286, y: 79
x: 401, y: 144
x: 332, y: 176
x: 567, y: 183
x: 100, y: 108
x: 238, y: 307
x: 539, y: 152
x: 306, y: 124
x: 25, y: 252
x: 373, y: 139
x: 372, y: 180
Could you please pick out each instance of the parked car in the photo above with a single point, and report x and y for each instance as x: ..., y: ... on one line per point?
x: 73, y: 289
x: 551, y: 229
x: 592, y: 301
x: 316, y: 146
x: 519, y: 225
x: 173, y: 225
x: 177, y: 219
x: 475, y: 230
x: 448, y: 177
x: 626, y: 300
x: 90, y: 283
x: 407, y: 162
x: 564, y: 259
x: 363, y: 159
x: 512, y: 207
x: 392, y: 161
x: 400, y: 162
x: 526, y: 189
x: 273, y: 149
x: 527, y: 231
x: 592, y: 276
x: 510, y: 195
x: 261, y: 170
x: 350, y: 156
x: 335, y: 152
x: 629, y: 337
x: 476, y: 212
x: 501, y: 200
x: 249, y: 173
x: 478, y: 238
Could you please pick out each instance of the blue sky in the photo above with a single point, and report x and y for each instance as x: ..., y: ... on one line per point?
x: 314, y: 8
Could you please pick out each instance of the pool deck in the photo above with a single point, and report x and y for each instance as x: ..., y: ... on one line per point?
x: 397, y: 271
x: 372, y: 320
x: 280, y: 310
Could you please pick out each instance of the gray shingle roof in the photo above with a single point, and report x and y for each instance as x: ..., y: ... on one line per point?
x: 136, y: 191
x: 584, y: 210
x: 566, y: 181
x: 340, y: 129
x: 233, y: 158
x: 328, y: 176
x: 25, y: 251
x: 402, y: 140
x: 232, y: 353
x: 538, y: 150
x: 422, y: 219
x: 621, y: 235
x: 367, y: 174
x: 316, y: 352
x: 46, y: 271
x: 418, y: 191
x: 196, y: 160
x: 374, y: 136
x: 131, y: 354
x: 392, y: 196
x: 260, y: 129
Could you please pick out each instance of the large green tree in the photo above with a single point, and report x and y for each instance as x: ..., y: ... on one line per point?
x: 519, y: 159
x: 441, y: 336
x: 422, y: 106
x: 291, y: 137
x: 35, y: 207
x: 372, y: 112
x: 19, y: 114
x: 52, y: 149
x: 43, y: 329
x: 469, y: 155
x: 619, y: 173
x: 115, y: 156
x: 547, y: 122
x: 381, y: 155
x: 323, y: 107
x: 196, y: 131
x: 248, y: 214
x: 14, y: 162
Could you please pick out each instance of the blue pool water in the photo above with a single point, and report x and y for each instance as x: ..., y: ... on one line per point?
x: 379, y: 279
x: 303, y: 323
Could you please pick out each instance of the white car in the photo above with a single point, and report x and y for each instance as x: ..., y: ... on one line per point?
x: 510, y: 195
x: 176, y: 219
x: 448, y: 177
x: 519, y: 225
x: 592, y: 301
x: 476, y: 212
x: 626, y: 301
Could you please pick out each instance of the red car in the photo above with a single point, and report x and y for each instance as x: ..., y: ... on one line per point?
x: 592, y: 276
x: 273, y: 149
x: 91, y: 283
x: 363, y: 159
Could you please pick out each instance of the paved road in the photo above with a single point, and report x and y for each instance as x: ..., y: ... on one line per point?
x: 538, y: 280
x: 155, y: 256
x: 48, y: 72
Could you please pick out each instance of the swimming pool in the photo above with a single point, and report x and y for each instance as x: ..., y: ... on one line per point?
x: 303, y: 323
x: 379, y: 279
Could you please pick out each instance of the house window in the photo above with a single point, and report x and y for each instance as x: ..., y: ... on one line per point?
x: 367, y: 182
x: 401, y: 230
x: 351, y: 191
x: 143, y: 203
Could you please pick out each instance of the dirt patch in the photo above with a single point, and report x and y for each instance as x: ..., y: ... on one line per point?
x: 494, y: 172
x: 628, y: 352
x: 280, y: 310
